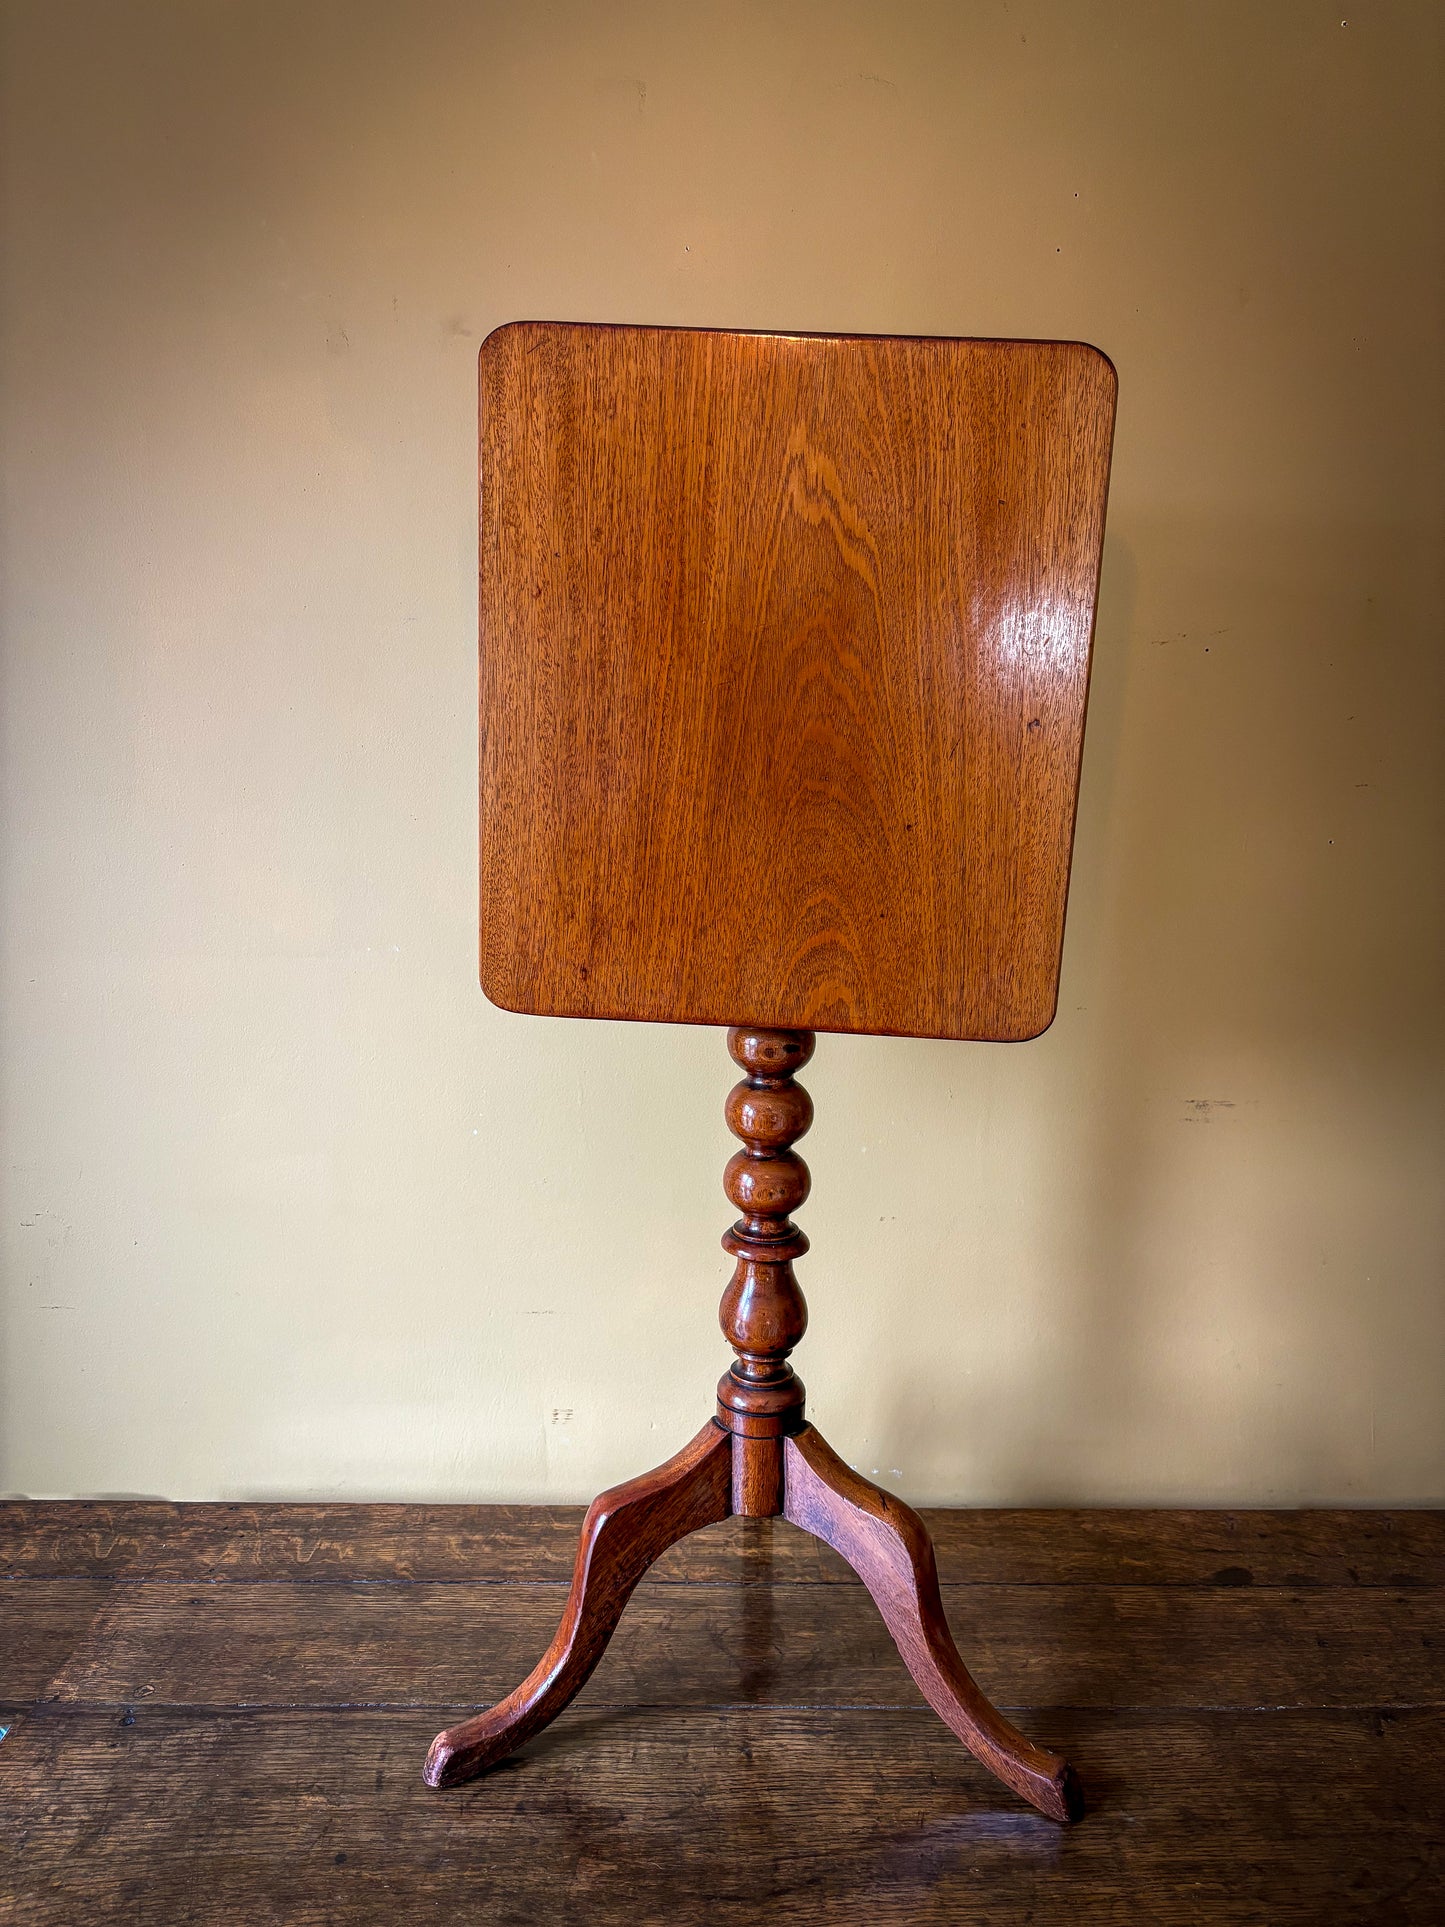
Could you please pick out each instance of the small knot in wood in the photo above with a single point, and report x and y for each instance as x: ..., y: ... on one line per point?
x: 763, y: 1313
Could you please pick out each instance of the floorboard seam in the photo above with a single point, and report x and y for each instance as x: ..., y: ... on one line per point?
x: 1030, y: 1712
x: 947, y: 1586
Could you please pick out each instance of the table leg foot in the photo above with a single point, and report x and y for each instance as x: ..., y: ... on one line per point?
x: 887, y: 1545
x: 625, y: 1530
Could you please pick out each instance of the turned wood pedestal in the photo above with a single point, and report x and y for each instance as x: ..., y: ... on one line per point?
x: 785, y: 643
x: 759, y: 1458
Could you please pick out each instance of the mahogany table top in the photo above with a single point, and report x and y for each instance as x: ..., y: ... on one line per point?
x: 784, y: 651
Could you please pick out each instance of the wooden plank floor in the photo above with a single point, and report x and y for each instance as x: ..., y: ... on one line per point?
x: 219, y: 1713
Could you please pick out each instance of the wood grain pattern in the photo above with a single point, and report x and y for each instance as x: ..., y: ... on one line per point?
x: 503, y: 1544
x: 623, y: 1533
x: 785, y: 643
x: 754, y: 1785
x: 763, y: 1313
x: 41, y: 1623
x: 734, y: 1466
x: 887, y: 1545
x: 706, y: 1645
x: 719, y: 1819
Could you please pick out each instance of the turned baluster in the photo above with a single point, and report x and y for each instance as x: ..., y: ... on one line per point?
x: 759, y: 1458
x: 763, y: 1314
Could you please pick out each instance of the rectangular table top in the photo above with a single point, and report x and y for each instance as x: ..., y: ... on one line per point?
x: 784, y: 649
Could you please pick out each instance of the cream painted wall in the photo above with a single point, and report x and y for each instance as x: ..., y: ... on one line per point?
x: 287, y: 1208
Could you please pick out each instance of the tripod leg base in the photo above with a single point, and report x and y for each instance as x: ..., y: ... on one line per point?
x: 887, y: 1545
x: 625, y: 1530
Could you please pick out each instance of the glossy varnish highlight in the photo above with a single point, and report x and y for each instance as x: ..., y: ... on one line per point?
x: 785, y: 644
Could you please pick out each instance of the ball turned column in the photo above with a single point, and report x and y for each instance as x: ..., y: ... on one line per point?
x: 763, y: 1313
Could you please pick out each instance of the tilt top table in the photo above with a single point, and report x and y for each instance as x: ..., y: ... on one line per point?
x: 784, y: 652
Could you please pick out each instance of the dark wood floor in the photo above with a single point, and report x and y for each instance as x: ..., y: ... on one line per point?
x: 219, y: 1713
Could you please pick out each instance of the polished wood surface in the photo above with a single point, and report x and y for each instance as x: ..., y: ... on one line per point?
x: 887, y: 1545
x: 785, y: 643
x: 624, y: 1531
x: 758, y: 1458
x: 763, y: 1313
x: 784, y: 652
x: 884, y: 1541
x: 234, y: 1732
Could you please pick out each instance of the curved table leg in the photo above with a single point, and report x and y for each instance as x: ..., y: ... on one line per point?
x: 624, y: 1531
x: 887, y: 1545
